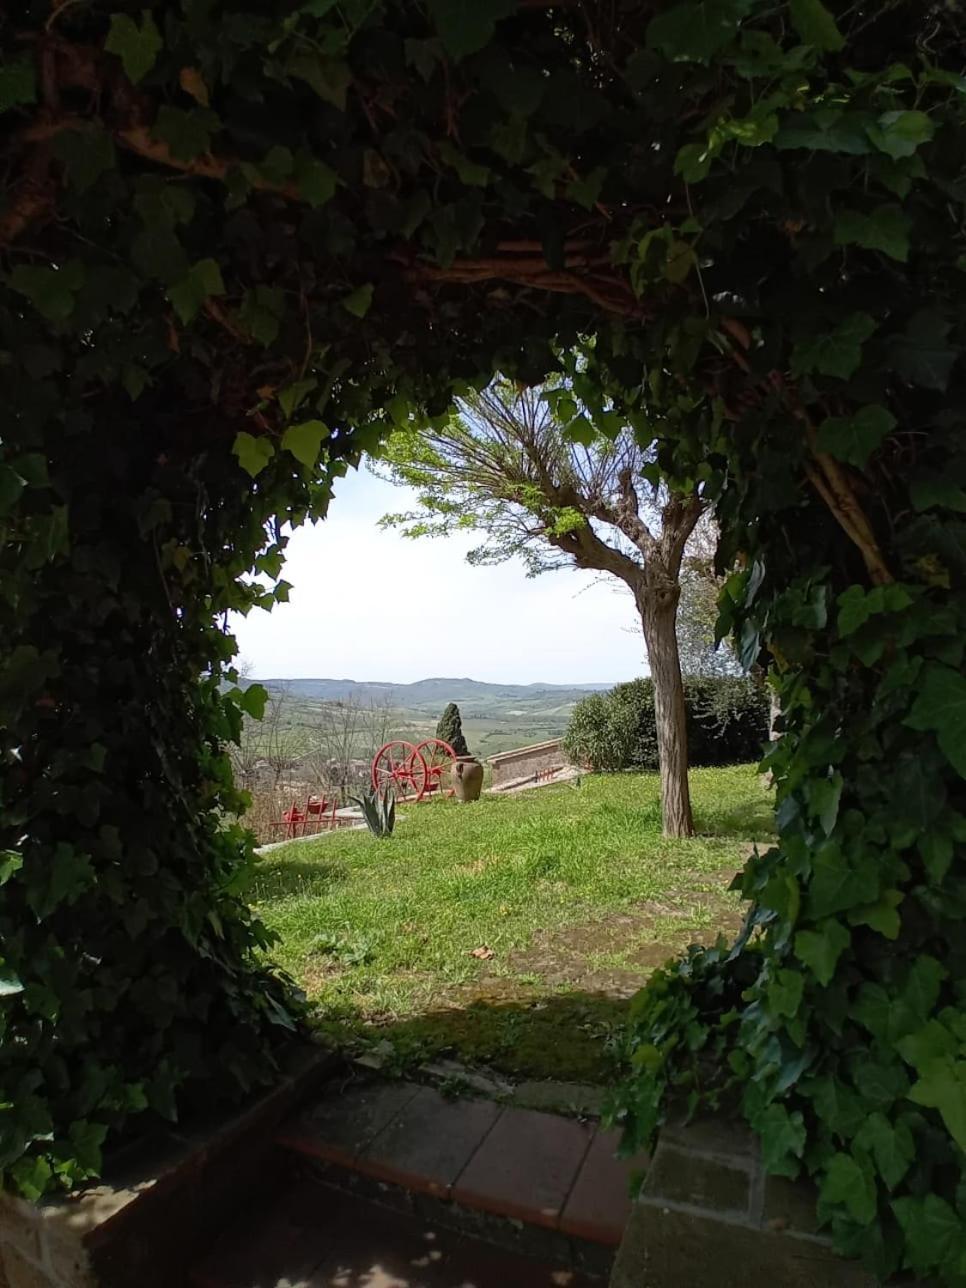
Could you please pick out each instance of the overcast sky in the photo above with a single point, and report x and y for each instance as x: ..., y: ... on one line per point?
x: 370, y: 605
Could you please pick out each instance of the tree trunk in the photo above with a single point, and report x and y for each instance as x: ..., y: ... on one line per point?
x: 658, y: 608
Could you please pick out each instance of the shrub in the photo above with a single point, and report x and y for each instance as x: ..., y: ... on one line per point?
x: 727, y: 724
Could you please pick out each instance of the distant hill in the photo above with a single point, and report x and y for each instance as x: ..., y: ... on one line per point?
x: 437, y: 691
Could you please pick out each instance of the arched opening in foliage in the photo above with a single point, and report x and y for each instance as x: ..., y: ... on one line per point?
x: 240, y: 244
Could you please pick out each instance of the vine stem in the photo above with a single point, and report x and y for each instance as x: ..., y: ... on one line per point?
x: 833, y: 486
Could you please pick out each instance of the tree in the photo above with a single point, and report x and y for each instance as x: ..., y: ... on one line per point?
x: 519, y: 466
x: 701, y: 588
x: 450, y: 729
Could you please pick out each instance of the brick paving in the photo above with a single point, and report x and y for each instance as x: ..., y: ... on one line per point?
x: 538, y: 1168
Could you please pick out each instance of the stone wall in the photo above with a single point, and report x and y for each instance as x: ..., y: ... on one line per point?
x: 524, y: 764
x: 709, y: 1215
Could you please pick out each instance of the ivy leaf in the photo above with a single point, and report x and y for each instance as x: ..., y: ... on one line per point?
x: 835, y: 353
x: 926, y: 1045
x: 188, y: 295
x: 187, y: 134
x: 848, y: 1183
x: 693, y: 33
x: 855, y: 609
x: 820, y: 949
x: 252, y: 700
x: 929, y: 489
x: 12, y: 485
x: 783, y: 1138
x: 317, y: 182
x: 137, y: 47
x: 882, y: 916
x: 942, y: 1086
x: 86, y: 153
x: 932, y: 1228
x: 357, y: 302
x: 18, y: 82
x: 855, y: 438
x: 824, y: 795
x: 892, y: 1147
x: 465, y: 26
x: 294, y: 395
x: 329, y: 77
x: 885, y: 229
x: 815, y: 25
x: 52, y: 291
x: 253, y: 453
x: 10, y: 862
x: 838, y: 884
x: 32, y: 1176
x: 304, y: 441
x: 785, y: 992
x: 899, y: 134
x: 261, y: 313
x: 940, y: 708
x: 921, y: 355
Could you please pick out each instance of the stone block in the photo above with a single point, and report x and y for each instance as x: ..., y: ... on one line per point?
x: 679, y: 1176
x: 20, y: 1226
x: 23, y: 1272
x: 668, y: 1249
x: 790, y: 1206
x: 719, y: 1135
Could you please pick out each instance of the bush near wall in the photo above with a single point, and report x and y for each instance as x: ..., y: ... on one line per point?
x: 727, y: 724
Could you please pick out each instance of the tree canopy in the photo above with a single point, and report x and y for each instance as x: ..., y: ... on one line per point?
x: 240, y: 244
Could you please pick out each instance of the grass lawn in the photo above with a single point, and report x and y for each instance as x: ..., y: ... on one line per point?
x: 568, y: 895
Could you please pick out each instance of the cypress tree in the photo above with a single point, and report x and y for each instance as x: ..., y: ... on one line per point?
x: 450, y: 729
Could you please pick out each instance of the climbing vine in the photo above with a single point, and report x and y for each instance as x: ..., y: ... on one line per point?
x: 240, y: 244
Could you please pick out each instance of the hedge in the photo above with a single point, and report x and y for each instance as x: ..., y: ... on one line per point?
x: 727, y: 724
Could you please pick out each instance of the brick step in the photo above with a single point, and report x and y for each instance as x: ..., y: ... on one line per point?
x: 521, y: 1165
x: 312, y: 1237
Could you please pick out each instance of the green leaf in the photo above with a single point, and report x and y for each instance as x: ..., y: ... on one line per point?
x: 785, y: 992
x: 188, y: 295
x: 885, y: 229
x: 11, y: 861
x: 329, y: 77
x: 253, y: 453
x: 839, y: 883
x: 252, y: 700
x: 899, y: 134
x: 824, y: 795
x: 465, y: 26
x: 693, y: 162
x: 892, y: 1147
x: 928, y: 1044
x: 848, y: 1183
x: 261, y: 313
x: 316, y: 182
x: 304, y: 441
x: 942, y: 1086
x: 929, y: 489
x: 834, y: 353
x: 357, y: 302
x: 932, y: 1229
x: 187, y: 134
x: 821, y: 948
x: 940, y: 708
x: 855, y: 438
x: 137, y: 47
x: 52, y: 291
x: 815, y: 24
x: 32, y: 1176
x: 86, y: 153
x: 293, y: 395
x: 921, y: 355
x: 18, y: 82
x: 783, y: 1139
x: 882, y: 916
x: 12, y: 485
x: 695, y: 32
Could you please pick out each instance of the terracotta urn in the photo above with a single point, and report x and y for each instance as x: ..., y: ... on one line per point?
x: 466, y: 778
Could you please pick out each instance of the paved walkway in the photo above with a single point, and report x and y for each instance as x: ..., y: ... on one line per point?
x: 538, y: 1168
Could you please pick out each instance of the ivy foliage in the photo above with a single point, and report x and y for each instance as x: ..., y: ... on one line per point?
x: 243, y: 242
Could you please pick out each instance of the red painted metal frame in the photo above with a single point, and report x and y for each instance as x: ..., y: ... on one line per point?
x: 317, y: 810
x: 401, y: 766
x: 439, y: 755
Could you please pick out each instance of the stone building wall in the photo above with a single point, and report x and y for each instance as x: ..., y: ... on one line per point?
x: 525, y: 764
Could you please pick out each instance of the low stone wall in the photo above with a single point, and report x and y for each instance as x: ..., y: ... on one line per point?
x: 527, y: 763
x: 160, y: 1204
x: 709, y: 1215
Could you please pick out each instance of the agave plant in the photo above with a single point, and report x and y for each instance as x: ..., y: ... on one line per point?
x: 379, y: 811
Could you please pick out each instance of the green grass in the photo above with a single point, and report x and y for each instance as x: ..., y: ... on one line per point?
x: 573, y: 888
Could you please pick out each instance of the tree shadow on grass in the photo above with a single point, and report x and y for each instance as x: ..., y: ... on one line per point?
x: 571, y: 1036
x: 280, y: 880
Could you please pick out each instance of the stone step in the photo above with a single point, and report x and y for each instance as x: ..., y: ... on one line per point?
x: 521, y: 1165
x: 317, y: 1238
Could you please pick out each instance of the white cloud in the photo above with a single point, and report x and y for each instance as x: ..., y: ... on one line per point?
x: 370, y: 605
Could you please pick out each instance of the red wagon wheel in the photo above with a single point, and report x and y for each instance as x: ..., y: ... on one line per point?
x: 438, y: 755
x: 401, y: 766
